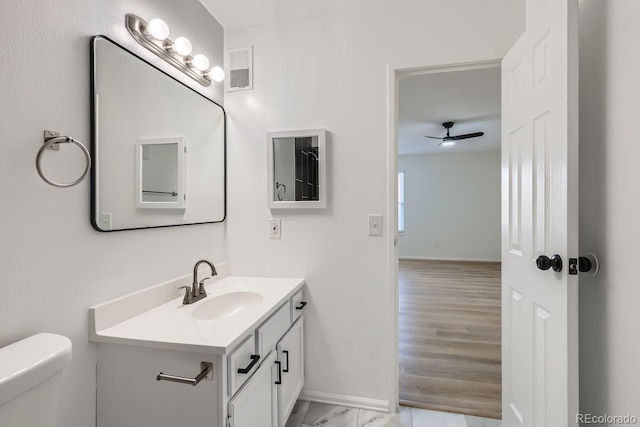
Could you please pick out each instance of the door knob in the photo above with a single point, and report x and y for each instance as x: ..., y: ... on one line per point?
x: 543, y: 262
x: 584, y: 264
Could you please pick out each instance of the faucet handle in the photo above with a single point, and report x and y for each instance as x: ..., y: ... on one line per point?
x: 201, y: 289
x: 187, y: 293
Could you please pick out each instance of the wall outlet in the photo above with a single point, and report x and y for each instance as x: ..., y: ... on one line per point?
x: 274, y: 228
x: 375, y: 225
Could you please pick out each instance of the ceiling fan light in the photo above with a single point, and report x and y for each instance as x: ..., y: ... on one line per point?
x: 447, y: 144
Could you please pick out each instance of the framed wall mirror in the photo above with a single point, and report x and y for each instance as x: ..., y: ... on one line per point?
x: 158, y: 146
x: 160, y: 173
x: 296, y: 169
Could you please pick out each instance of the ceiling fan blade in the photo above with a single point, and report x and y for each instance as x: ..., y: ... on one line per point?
x: 433, y: 137
x: 465, y: 136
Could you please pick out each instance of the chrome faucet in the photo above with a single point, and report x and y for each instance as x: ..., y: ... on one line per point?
x: 196, y: 292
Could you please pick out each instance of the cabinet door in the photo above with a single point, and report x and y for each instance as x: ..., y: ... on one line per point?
x: 256, y: 404
x: 291, y: 357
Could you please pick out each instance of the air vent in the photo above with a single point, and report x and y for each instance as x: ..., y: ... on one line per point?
x: 240, y: 73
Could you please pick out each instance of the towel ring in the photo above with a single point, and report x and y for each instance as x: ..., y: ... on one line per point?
x: 50, y: 140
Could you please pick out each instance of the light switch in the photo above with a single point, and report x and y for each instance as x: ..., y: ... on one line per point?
x: 274, y: 228
x: 375, y: 225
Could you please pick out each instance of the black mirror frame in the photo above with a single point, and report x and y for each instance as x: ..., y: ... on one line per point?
x: 94, y: 138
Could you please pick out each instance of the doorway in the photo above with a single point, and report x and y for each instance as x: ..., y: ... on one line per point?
x: 449, y: 318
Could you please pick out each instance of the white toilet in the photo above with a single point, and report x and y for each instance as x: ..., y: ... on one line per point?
x: 30, y: 373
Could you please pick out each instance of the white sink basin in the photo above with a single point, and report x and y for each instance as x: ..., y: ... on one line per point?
x: 225, y: 305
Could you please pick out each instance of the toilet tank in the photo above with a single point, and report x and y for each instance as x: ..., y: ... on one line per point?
x: 30, y: 373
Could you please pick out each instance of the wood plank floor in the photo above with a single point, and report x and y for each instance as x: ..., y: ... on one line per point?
x: 450, y: 336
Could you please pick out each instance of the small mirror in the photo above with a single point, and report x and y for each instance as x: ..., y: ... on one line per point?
x: 296, y: 169
x: 160, y: 172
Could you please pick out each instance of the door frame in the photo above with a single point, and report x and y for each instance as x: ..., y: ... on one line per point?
x: 395, y: 73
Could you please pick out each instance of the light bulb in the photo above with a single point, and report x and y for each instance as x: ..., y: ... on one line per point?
x: 448, y: 144
x: 182, y: 46
x: 158, y: 29
x: 200, y: 62
x: 216, y: 74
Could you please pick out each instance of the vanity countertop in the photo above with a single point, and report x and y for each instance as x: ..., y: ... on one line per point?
x: 169, y: 324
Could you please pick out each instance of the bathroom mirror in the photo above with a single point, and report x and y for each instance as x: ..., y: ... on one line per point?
x: 158, y: 146
x: 296, y: 169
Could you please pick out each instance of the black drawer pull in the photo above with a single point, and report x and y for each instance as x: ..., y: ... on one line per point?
x: 286, y: 353
x: 279, y: 380
x: 254, y: 360
x: 302, y: 305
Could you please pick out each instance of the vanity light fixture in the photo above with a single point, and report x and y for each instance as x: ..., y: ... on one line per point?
x: 154, y: 35
x: 158, y: 29
x: 216, y: 74
x: 181, y: 46
x: 200, y: 62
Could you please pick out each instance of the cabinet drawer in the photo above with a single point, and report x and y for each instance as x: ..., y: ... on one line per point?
x: 240, y: 359
x: 270, y: 332
x: 297, y: 306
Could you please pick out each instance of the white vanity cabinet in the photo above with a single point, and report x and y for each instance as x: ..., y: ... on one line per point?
x: 255, y: 378
x: 257, y: 403
x: 291, y: 358
x: 268, y: 397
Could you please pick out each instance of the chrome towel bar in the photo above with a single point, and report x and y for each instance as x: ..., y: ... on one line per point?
x: 207, y: 368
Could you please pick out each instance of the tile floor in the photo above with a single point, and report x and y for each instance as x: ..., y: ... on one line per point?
x: 307, y: 414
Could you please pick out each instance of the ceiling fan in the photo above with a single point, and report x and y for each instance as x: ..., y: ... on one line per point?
x: 449, y: 140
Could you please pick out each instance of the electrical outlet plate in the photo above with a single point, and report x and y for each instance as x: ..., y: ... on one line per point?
x: 274, y: 228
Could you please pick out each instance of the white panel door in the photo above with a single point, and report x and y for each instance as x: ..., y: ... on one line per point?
x: 291, y: 357
x: 540, y: 218
x: 256, y: 404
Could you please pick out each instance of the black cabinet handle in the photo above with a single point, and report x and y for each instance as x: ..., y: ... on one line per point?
x: 279, y: 380
x: 302, y: 305
x: 254, y: 360
x: 286, y: 353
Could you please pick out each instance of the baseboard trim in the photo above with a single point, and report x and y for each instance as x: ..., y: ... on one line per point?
x: 428, y: 258
x: 344, y: 400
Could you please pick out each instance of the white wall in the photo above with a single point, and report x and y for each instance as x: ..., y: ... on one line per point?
x: 452, y: 201
x: 53, y: 265
x: 609, y: 206
x: 331, y: 72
